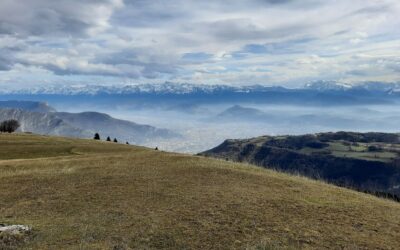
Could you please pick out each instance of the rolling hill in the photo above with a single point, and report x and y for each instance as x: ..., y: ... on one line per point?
x: 363, y: 161
x: 85, y: 194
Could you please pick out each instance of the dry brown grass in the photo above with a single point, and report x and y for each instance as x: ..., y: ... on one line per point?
x: 108, y: 196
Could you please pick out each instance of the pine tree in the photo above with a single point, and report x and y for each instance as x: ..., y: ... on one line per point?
x: 115, y: 140
x: 96, y: 136
x: 127, y: 143
x: 108, y: 138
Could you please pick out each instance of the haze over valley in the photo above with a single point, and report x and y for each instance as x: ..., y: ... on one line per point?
x: 196, y: 118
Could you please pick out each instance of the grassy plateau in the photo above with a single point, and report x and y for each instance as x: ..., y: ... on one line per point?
x: 86, y: 194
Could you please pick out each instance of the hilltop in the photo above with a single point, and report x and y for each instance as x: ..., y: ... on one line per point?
x: 364, y: 161
x: 86, y: 194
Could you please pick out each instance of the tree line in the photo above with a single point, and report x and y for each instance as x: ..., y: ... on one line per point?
x: 97, y: 137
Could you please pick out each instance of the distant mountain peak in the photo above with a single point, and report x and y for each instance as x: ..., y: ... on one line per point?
x: 327, y: 85
x: 336, y: 85
x: 41, y: 107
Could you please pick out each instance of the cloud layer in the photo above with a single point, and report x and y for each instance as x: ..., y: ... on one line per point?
x: 286, y: 42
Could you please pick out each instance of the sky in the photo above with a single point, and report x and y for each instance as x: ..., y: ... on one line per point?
x: 233, y: 42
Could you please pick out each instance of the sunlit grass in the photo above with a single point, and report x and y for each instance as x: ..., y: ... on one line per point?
x: 84, y: 194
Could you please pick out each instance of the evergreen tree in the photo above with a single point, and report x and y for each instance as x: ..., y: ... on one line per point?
x: 108, y: 138
x: 115, y: 140
x: 9, y: 126
x: 96, y: 136
x: 127, y: 143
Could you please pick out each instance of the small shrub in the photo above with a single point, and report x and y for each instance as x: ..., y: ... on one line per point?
x: 96, y: 136
x: 373, y: 148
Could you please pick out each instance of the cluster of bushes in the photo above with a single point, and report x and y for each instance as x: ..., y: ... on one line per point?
x: 9, y: 126
x: 296, y: 142
x: 360, y: 137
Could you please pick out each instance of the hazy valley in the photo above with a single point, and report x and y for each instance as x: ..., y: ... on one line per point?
x: 194, y: 118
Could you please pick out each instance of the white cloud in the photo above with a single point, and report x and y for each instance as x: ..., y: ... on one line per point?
x: 256, y: 41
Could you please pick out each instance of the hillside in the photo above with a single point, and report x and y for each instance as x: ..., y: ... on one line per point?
x: 364, y: 161
x: 40, y: 118
x: 109, y: 126
x: 43, y: 123
x: 85, y: 194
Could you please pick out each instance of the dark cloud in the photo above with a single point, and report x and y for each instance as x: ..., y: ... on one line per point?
x: 126, y: 59
x: 47, y: 17
x: 7, y: 57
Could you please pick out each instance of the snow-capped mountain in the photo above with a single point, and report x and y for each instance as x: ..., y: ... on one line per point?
x: 324, y: 86
x: 165, y: 88
x: 41, y: 107
x: 187, y: 88
x: 327, y: 85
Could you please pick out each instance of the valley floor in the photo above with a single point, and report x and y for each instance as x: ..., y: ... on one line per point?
x: 84, y: 194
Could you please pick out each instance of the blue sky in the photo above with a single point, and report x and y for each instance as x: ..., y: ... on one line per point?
x: 271, y: 42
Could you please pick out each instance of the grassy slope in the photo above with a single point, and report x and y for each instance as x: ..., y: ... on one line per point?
x: 82, y: 194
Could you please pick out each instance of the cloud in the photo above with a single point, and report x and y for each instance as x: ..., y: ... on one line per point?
x: 243, y: 42
x: 50, y: 18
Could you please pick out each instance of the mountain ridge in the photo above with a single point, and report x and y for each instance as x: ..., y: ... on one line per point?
x: 187, y: 88
x: 81, y: 125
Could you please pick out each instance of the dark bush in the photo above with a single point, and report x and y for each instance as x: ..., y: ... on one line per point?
x: 96, y: 136
x: 9, y: 126
x: 373, y: 148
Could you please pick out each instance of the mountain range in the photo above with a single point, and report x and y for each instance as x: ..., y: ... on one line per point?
x: 187, y: 88
x: 40, y: 118
x: 171, y: 95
